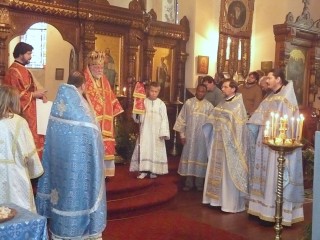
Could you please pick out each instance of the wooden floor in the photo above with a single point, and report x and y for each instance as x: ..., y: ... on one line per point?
x: 189, y: 204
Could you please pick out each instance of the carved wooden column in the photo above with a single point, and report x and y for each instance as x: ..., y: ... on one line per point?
x: 181, y: 76
x: 4, y: 32
x: 88, y: 39
x: 317, y: 65
x: 221, y: 62
x: 182, y: 58
x: 245, y: 58
x: 135, y: 41
x: 232, y: 61
x: 148, y: 62
x: 133, y: 50
x: 131, y: 77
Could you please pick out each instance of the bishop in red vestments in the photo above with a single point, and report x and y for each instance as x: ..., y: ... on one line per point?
x: 104, y: 103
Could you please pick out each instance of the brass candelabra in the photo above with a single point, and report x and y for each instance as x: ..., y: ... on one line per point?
x: 282, y: 145
x: 174, y: 151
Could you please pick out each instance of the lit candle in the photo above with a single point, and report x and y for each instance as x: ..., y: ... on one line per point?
x: 292, y: 127
x: 301, y: 126
x: 239, y: 51
x: 285, y: 117
x: 266, y: 133
x: 276, y: 116
x: 268, y: 124
x: 124, y: 90
x: 228, y: 48
x: 298, y: 129
x: 267, y: 128
x: 272, y: 124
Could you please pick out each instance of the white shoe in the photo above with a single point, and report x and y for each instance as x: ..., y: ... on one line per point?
x: 142, y: 175
x: 152, y: 175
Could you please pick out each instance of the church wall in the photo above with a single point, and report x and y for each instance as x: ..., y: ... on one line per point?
x: 56, y: 59
x: 204, y: 35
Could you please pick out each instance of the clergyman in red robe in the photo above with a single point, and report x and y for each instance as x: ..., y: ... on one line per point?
x: 21, y: 78
x: 105, y: 105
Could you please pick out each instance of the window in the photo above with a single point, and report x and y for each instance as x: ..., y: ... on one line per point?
x: 36, y: 36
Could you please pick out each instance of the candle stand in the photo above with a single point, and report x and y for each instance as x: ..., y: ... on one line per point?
x: 117, y: 157
x: 281, y: 148
x: 174, y: 151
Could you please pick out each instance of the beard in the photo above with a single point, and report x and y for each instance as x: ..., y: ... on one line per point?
x: 25, y: 61
x: 97, y: 76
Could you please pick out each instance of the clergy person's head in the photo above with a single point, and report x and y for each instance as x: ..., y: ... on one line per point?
x: 95, y: 61
x: 229, y: 88
x: 201, y: 91
x: 276, y: 79
x: 23, y: 53
x: 78, y: 80
x: 263, y: 83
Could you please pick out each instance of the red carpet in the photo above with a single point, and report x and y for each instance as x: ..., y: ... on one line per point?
x: 128, y: 196
x: 136, y: 209
x: 164, y: 225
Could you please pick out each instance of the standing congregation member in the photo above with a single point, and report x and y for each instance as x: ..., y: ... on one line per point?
x: 282, y: 100
x: 19, y: 160
x: 218, y: 79
x: 105, y: 104
x: 21, y: 78
x: 264, y: 86
x: 150, y: 156
x: 72, y: 192
x: 214, y: 94
x: 226, y: 182
x: 251, y: 93
x: 193, y: 161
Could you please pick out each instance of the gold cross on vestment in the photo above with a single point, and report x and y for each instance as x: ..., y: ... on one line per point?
x: 61, y: 108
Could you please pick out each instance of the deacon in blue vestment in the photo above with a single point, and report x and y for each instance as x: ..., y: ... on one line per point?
x: 281, y: 100
x: 72, y: 191
x: 226, y: 181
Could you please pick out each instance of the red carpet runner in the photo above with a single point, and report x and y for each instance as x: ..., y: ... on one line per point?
x: 135, y: 210
x: 128, y: 196
x: 164, y: 225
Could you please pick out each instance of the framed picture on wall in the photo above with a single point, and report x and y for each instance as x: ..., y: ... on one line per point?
x: 237, y: 16
x: 203, y: 65
x: 162, y: 65
x: 113, y: 48
x: 266, y: 66
x: 59, y: 73
x: 296, y: 71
